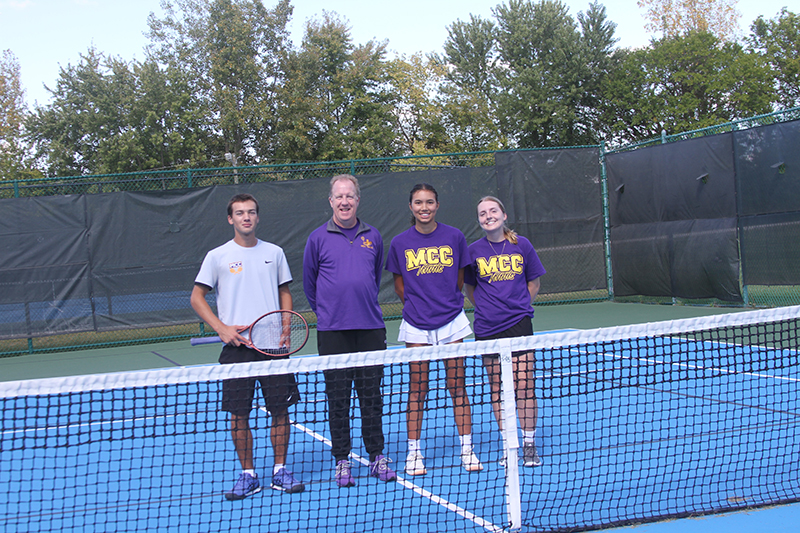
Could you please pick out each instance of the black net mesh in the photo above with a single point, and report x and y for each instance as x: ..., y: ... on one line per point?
x: 636, y: 423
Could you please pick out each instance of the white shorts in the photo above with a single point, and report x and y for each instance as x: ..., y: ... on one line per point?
x: 453, y: 331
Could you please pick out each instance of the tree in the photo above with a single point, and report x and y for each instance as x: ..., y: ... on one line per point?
x: 109, y: 116
x: 778, y: 41
x: 677, y: 17
x: 414, y: 82
x: 66, y: 134
x: 164, y: 125
x: 542, y: 87
x: 683, y: 83
x: 12, y: 117
x: 597, y: 50
x: 469, y: 95
x: 336, y: 102
x: 234, y: 51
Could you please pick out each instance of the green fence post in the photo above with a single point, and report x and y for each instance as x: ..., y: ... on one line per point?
x: 16, y: 188
x: 189, y: 178
x: 606, y: 220
x: 664, y: 141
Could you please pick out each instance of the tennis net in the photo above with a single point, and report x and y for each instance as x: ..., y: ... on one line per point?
x: 636, y: 423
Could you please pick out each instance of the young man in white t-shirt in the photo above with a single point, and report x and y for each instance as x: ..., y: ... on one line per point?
x: 251, y: 278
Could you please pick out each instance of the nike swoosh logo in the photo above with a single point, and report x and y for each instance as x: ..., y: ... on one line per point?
x: 267, y: 262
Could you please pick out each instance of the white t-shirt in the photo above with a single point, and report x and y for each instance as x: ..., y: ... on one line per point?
x: 246, y: 280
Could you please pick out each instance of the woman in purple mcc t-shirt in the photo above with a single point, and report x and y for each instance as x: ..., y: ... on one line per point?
x: 428, y: 261
x: 502, y: 280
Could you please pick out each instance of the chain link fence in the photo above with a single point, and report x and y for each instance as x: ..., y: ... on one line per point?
x: 181, y: 179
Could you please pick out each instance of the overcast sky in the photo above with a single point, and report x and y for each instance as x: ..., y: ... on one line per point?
x: 47, y: 34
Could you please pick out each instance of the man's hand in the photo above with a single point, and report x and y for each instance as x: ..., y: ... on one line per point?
x: 230, y: 335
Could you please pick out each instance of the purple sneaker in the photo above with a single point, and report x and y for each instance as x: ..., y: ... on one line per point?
x: 343, y: 476
x: 285, y: 481
x: 379, y: 468
x: 247, y: 485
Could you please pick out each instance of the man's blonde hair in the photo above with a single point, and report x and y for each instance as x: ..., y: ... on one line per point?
x: 348, y: 177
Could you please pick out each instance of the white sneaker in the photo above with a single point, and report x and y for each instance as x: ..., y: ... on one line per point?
x: 414, y: 464
x: 531, y: 456
x: 470, y: 461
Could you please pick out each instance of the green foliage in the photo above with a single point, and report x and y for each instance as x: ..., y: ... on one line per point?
x: 552, y: 70
x: 14, y: 163
x: 337, y: 102
x: 597, y: 50
x: 778, y: 41
x: 221, y: 76
x: 683, y: 83
x: 232, y: 52
x: 68, y: 133
x: 108, y: 116
x: 414, y: 82
x: 469, y: 95
x: 532, y: 79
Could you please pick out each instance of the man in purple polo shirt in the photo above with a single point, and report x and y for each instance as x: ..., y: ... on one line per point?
x: 342, y: 267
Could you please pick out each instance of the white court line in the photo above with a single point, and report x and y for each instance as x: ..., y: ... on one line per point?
x: 488, y: 526
x: 654, y: 361
x: 700, y: 367
x: 87, y: 424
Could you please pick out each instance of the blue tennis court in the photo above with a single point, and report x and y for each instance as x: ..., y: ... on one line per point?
x: 630, y: 430
x: 138, y: 456
x: 731, y: 425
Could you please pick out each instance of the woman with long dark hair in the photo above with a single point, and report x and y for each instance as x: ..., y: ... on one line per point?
x: 428, y: 261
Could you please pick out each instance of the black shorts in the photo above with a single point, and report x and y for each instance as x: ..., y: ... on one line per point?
x: 279, y: 391
x: 523, y: 328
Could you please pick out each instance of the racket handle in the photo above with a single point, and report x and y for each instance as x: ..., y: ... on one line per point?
x: 205, y: 340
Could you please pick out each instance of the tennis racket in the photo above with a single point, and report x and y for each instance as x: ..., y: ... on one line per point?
x: 276, y: 333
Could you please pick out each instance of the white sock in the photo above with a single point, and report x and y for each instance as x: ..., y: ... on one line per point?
x: 277, y: 468
x: 528, y: 437
x: 466, y: 442
x: 414, y: 446
x: 251, y: 472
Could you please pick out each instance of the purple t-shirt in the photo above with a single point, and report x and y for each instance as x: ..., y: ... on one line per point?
x: 429, y: 265
x: 500, y: 273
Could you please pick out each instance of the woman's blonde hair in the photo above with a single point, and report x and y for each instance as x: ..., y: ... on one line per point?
x: 508, y: 233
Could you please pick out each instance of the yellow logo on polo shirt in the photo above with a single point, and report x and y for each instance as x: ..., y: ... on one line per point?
x: 235, y: 267
x: 366, y: 243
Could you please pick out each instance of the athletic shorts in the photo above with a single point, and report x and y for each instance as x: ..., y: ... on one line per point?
x: 455, y: 330
x: 523, y: 328
x: 279, y: 391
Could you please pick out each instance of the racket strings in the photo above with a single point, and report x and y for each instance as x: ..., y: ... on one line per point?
x: 278, y: 332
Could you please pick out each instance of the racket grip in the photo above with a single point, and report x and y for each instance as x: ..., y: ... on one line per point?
x: 205, y: 340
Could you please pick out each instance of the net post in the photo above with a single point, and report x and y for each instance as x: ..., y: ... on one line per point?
x: 510, y: 438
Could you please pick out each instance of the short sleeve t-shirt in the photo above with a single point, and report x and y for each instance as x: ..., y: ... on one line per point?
x: 429, y: 264
x: 246, y: 280
x: 500, y: 273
